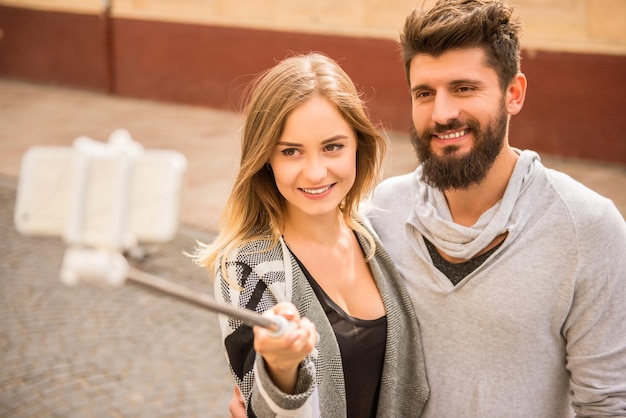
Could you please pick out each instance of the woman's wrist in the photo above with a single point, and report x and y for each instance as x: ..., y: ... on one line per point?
x: 284, y: 376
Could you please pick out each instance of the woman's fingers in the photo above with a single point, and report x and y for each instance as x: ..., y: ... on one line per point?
x: 286, y: 309
x: 290, y: 348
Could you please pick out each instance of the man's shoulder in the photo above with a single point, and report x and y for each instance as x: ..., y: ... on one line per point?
x: 573, y: 192
x: 391, y: 200
x: 395, y: 186
x: 584, y: 205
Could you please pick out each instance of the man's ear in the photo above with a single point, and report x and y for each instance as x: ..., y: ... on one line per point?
x: 515, y: 94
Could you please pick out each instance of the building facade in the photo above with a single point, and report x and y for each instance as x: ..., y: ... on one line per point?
x: 204, y: 52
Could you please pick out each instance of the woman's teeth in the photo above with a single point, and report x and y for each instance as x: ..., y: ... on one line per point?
x: 316, y: 191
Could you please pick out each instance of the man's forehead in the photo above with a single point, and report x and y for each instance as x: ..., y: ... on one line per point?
x: 453, y: 64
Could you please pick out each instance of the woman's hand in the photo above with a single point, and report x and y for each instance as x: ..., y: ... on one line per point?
x: 283, y: 354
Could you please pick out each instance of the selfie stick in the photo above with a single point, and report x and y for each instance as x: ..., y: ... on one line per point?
x: 276, y: 324
x: 111, y: 269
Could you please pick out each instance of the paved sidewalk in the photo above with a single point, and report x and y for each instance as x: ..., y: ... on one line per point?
x: 86, y: 351
x: 130, y: 352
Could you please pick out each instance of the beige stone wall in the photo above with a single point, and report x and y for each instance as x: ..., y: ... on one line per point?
x: 574, y: 25
x: 595, y: 26
x: 72, y: 6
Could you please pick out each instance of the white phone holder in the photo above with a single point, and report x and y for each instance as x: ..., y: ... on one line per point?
x: 102, y: 198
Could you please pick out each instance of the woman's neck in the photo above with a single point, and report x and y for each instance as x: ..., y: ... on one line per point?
x: 319, y: 230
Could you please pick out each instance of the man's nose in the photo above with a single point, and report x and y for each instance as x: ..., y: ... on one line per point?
x: 445, y: 109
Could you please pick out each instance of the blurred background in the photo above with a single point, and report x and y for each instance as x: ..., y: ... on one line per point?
x: 203, y: 52
x: 173, y: 72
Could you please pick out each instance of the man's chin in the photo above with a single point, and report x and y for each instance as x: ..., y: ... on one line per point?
x: 451, y: 151
x: 449, y: 154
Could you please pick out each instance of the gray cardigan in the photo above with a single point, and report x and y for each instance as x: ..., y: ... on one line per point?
x: 265, y: 275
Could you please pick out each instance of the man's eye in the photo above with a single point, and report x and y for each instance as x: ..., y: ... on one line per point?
x: 422, y: 94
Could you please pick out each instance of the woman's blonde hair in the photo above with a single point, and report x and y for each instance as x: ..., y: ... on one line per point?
x: 254, y: 209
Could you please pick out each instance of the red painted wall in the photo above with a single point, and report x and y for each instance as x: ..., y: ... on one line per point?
x: 573, y: 108
x: 61, y: 48
x: 211, y: 65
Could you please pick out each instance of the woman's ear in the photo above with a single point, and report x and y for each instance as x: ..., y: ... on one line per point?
x: 515, y: 94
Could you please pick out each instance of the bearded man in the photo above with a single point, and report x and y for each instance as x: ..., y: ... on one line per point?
x: 517, y: 273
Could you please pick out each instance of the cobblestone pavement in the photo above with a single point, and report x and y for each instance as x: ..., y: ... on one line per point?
x: 87, y: 351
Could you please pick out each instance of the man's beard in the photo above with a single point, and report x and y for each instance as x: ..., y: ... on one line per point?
x: 449, y: 172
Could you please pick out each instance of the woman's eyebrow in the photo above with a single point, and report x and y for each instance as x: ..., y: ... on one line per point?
x: 324, y: 142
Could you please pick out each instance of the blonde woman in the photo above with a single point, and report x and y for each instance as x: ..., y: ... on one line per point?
x: 291, y: 242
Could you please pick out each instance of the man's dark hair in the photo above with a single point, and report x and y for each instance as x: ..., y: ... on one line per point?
x: 454, y: 24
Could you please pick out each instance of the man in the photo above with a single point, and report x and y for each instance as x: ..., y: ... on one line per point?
x: 517, y: 273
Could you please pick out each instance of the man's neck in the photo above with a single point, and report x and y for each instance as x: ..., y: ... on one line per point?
x: 467, y: 205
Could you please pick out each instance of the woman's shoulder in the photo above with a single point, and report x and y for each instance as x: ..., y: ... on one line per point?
x: 255, y: 251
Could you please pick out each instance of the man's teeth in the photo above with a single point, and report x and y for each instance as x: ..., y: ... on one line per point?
x: 316, y: 191
x: 453, y: 135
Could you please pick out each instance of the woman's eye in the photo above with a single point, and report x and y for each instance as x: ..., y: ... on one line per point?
x: 333, y: 147
x: 289, y: 152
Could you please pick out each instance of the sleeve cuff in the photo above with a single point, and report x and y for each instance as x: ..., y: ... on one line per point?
x: 276, y: 400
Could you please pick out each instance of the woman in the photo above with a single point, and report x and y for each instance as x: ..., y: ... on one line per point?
x: 292, y: 244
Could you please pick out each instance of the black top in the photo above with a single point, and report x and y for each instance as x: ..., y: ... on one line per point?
x: 457, y: 271
x: 362, y: 346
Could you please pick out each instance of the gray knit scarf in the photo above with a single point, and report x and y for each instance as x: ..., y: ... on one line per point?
x: 432, y: 218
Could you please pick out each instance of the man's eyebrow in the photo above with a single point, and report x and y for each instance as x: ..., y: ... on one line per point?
x: 456, y: 82
x: 472, y: 81
x: 420, y: 87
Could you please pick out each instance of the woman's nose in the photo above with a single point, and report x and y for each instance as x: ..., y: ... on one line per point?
x: 315, y: 169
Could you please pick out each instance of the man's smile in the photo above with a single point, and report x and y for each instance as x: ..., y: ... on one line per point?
x: 453, y: 135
